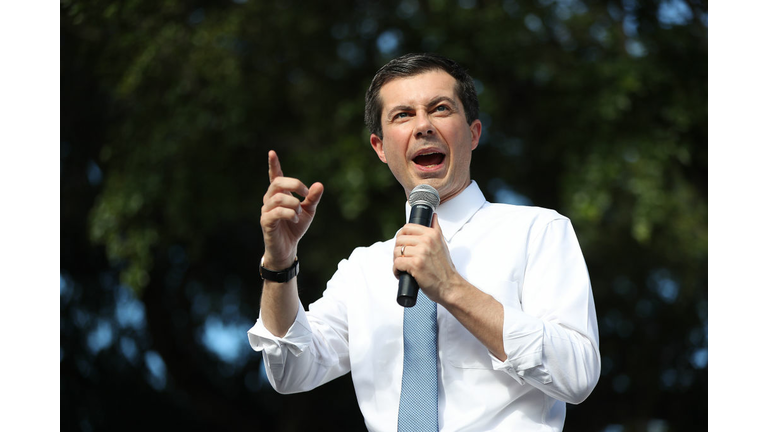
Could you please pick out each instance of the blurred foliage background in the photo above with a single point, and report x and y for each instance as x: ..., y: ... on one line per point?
x: 597, y: 109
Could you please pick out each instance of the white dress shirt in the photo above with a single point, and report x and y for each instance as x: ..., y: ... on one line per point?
x: 527, y: 258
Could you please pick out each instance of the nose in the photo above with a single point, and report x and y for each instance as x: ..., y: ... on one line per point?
x: 424, y: 126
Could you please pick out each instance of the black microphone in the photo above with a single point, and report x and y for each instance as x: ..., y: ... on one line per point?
x: 423, y: 199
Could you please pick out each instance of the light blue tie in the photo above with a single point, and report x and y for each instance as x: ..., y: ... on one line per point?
x: 418, y: 399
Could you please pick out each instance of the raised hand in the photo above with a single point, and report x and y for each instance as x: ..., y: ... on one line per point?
x: 284, y: 218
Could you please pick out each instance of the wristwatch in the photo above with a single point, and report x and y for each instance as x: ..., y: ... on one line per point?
x: 281, y: 276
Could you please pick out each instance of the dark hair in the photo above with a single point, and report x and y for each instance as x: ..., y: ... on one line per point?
x: 414, y: 64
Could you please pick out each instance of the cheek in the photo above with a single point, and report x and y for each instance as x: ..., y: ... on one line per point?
x: 396, y: 145
x: 393, y: 159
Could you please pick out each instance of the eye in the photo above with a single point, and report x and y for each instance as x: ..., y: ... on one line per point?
x: 442, y: 109
x: 400, y: 115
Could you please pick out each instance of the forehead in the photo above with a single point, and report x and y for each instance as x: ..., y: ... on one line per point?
x: 417, y: 89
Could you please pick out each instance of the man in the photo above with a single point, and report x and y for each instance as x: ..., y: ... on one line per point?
x: 516, y: 325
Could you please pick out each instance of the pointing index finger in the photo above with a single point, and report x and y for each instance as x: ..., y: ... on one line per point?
x: 274, y: 166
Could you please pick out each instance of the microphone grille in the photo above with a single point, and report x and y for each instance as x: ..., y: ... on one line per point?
x: 425, y: 195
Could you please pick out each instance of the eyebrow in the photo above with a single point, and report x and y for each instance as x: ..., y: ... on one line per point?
x: 431, y: 103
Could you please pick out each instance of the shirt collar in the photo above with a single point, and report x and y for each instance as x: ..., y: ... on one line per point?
x: 458, y: 210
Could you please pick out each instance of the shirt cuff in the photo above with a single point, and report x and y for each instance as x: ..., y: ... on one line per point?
x: 523, y: 345
x: 296, y: 340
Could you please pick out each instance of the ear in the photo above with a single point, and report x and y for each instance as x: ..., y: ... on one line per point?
x: 378, y: 147
x: 476, y: 129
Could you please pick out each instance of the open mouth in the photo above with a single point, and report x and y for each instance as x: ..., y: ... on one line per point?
x: 429, y: 159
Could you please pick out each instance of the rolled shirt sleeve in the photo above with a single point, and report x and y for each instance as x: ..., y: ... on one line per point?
x: 551, y: 340
x: 274, y: 349
x: 315, y: 349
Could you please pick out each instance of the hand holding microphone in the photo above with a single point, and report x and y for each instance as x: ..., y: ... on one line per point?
x: 423, y: 199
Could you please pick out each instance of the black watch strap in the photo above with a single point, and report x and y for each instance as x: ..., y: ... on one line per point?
x: 281, y: 276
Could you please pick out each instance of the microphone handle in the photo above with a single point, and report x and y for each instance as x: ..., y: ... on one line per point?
x: 408, y: 289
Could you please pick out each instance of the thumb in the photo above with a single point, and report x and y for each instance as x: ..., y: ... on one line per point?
x: 436, y: 224
x: 313, y: 198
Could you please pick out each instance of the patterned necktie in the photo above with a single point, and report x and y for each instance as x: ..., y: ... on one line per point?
x: 418, y: 399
